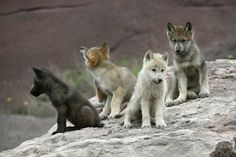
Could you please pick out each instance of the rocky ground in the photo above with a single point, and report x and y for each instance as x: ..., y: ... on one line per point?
x: 194, y: 128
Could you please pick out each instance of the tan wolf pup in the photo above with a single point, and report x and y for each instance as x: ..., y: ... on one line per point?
x: 190, y: 67
x: 116, y: 82
x: 150, y: 90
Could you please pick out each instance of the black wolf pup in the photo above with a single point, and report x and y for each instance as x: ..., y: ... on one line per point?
x: 69, y: 103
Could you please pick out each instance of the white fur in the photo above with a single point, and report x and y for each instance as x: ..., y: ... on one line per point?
x: 148, y: 95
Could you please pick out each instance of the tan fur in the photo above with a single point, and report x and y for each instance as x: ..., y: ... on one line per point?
x: 116, y: 82
x: 149, y: 93
x: 190, y: 68
x: 179, y: 34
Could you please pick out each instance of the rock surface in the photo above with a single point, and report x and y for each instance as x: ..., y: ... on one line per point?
x: 223, y: 149
x: 194, y: 128
x: 49, y: 33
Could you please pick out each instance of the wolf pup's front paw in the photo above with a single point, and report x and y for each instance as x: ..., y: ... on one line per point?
x: 102, y: 116
x: 112, y: 116
x: 179, y: 101
x: 169, y: 103
x: 160, y: 124
x: 204, y: 94
x: 57, y: 131
x: 146, y: 125
x: 127, y: 125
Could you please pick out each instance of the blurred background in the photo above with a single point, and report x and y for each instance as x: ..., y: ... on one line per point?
x: 48, y: 33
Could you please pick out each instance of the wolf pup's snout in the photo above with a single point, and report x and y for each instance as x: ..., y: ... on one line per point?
x: 83, y: 49
x: 178, y: 51
x: 157, y: 81
x: 34, y: 92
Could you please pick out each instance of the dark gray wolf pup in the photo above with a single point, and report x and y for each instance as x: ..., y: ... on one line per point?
x: 69, y: 103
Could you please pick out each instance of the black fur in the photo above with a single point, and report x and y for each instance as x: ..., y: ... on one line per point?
x: 69, y: 103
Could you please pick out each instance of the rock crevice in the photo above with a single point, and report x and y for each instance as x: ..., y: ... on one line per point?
x: 43, y: 8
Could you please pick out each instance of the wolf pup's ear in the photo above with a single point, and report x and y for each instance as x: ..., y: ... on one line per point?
x: 170, y: 27
x: 148, y: 56
x: 40, y: 74
x: 46, y: 72
x: 165, y: 56
x: 188, y: 28
x: 105, y: 50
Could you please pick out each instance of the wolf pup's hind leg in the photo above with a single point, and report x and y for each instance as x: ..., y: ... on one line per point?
x: 131, y: 110
x: 116, y: 101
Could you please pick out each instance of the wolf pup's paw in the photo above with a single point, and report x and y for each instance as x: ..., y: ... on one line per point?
x: 179, y: 101
x: 112, y: 116
x: 191, y: 95
x: 127, y: 125
x: 161, y: 124
x: 169, y: 103
x: 102, y: 116
x: 204, y: 94
x: 146, y: 125
x: 56, y: 132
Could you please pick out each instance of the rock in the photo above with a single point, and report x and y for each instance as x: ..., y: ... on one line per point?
x: 223, y: 149
x: 194, y: 128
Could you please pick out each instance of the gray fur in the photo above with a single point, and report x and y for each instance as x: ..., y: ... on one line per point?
x: 190, y: 67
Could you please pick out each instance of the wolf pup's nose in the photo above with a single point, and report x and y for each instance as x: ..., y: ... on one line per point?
x: 159, y: 80
x: 81, y: 48
x: 178, y: 51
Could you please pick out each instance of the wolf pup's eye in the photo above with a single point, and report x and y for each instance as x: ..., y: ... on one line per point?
x: 174, y: 40
x: 154, y: 70
x: 162, y: 70
x: 183, y: 40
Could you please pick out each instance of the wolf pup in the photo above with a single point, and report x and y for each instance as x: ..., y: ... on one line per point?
x: 150, y: 90
x: 191, y: 70
x: 116, y: 82
x: 69, y: 103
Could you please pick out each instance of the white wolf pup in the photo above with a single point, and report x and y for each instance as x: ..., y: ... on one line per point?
x: 150, y: 90
x: 190, y: 67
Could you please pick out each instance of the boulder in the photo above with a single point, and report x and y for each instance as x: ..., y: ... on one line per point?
x: 194, y: 128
